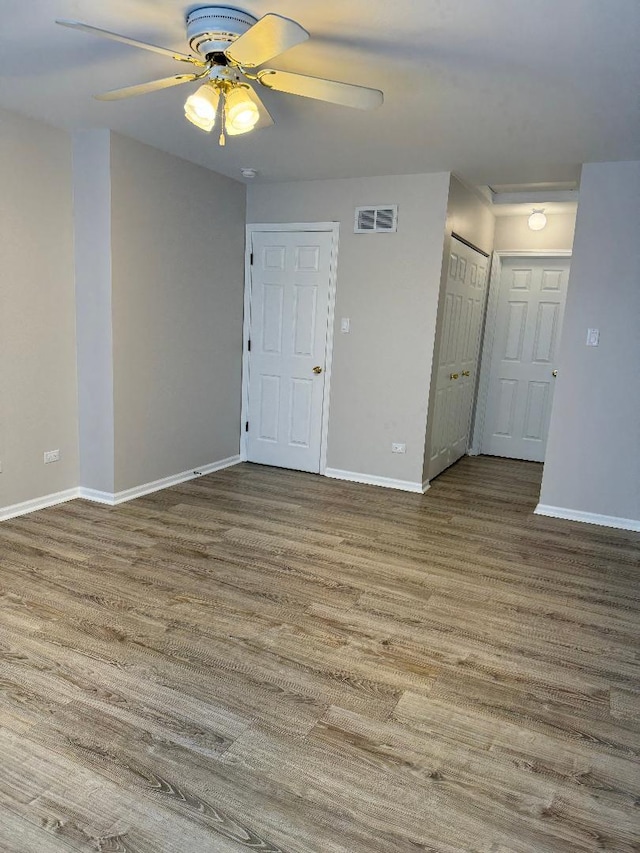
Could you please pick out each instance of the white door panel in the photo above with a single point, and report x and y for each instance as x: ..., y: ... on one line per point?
x: 527, y: 331
x: 457, y: 355
x: 289, y: 311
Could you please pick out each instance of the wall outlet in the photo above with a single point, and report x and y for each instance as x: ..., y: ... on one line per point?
x: 51, y: 456
x: 345, y: 325
x: 593, y: 337
x: 398, y: 447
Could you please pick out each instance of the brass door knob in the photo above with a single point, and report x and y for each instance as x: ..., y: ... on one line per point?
x: 317, y: 369
x: 466, y: 373
x: 454, y: 375
x: 554, y: 373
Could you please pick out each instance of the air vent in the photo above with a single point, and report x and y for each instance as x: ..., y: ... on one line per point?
x: 376, y: 220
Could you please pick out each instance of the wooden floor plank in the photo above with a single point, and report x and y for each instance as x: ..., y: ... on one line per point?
x: 269, y: 660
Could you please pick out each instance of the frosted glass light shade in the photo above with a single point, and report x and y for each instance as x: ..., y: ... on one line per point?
x: 537, y: 220
x: 201, y: 107
x: 241, y: 113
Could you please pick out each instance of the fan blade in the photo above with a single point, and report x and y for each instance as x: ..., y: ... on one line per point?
x: 143, y: 88
x: 265, y: 116
x: 96, y: 31
x: 345, y: 94
x: 270, y: 37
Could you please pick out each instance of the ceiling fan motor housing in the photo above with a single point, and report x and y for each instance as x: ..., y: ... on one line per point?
x: 211, y: 29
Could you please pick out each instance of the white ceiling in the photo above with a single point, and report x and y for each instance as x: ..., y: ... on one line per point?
x: 499, y: 91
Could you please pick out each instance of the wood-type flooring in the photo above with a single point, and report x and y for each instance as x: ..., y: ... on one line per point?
x: 265, y: 660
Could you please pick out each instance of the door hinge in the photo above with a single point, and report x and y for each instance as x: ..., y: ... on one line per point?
x: 246, y: 427
x: 251, y: 259
x: 249, y: 344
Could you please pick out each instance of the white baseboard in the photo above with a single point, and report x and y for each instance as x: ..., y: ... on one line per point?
x: 157, y: 485
x: 229, y: 462
x: 96, y: 496
x: 587, y: 517
x: 45, y: 501
x: 111, y: 499
x: 372, y: 480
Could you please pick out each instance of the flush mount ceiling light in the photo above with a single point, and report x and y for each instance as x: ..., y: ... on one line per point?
x: 537, y: 220
x: 227, y: 45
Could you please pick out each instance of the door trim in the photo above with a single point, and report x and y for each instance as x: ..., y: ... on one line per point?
x: 486, y: 350
x: 256, y: 227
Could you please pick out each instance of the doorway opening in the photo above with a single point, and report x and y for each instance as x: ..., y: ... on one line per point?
x: 509, y: 353
x: 519, y: 355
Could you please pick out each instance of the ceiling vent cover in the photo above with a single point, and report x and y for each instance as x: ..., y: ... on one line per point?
x: 376, y: 220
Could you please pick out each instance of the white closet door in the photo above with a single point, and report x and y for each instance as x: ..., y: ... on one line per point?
x: 289, y: 311
x: 457, y: 355
x: 527, y: 332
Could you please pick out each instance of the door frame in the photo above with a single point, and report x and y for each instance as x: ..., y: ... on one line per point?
x: 270, y: 227
x: 491, y: 316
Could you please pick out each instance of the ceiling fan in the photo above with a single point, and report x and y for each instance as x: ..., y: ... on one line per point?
x: 227, y: 45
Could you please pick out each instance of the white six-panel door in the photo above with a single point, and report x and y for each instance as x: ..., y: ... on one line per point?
x: 527, y: 332
x: 290, y: 277
x: 457, y: 355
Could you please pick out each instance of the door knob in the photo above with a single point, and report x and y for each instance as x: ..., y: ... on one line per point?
x: 466, y: 373
x: 317, y: 369
x: 453, y: 375
x: 554, y: 373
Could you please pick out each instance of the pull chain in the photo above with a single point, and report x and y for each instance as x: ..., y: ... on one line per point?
x: 223, y: 116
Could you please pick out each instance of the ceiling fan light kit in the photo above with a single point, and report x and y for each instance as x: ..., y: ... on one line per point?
x: 238, y: 113
x: 227, y: 42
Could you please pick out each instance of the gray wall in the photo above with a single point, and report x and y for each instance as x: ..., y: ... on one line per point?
x: 38, y: 408
x: 592, y: 463
x: 157, y: 276
x: 178, y: 280
x: 514, y: 234
x: 92, y: 222
x: 469, y: 217
x: 388, y: 286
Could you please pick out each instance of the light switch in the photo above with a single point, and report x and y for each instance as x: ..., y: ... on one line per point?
x: 345, y: 325
x: 593, y: 337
